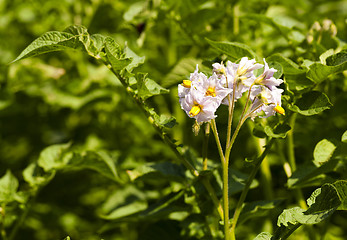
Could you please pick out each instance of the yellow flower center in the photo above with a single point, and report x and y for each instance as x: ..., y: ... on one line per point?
x: 211, y: 92
x: 279, y: 109
x: 196, y: 109
x: 187, y: 83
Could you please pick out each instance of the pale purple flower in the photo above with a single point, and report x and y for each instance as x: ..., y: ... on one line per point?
x: 195, y: 79
x: 266, y: 78
x: 240, y: 76
x: 266, y: 100
x: 198, y: 106
x: 219, y: 69
x: 213, y: 88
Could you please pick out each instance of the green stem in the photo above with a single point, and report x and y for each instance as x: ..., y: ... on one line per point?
x: 225, y: 181
x: 22, y: 218
x: 266, y: 177
x: 2, y: 226
x: 236, y: 13
x: 205, y: 146
x: 291, y: 159
x: 246, y: 188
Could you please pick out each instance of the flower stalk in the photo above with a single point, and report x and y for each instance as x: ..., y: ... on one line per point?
x: 200, y: 97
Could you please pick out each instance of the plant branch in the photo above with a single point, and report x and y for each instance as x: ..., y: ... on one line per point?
x: 247, y: 186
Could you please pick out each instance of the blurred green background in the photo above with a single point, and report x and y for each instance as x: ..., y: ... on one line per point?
x: 68, y: 97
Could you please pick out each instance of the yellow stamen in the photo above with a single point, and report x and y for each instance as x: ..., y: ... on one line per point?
x: 279, y: 109
x: 187, y: 83
x: 211, y: 92
x: 195, y: 110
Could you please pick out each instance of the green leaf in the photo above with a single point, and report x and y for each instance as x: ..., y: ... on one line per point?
x: 53, y: 157
x: 257, y: 209
x: 123, y: 203
x: 95, y: 160
x: 180, y: 71
x: 263, y: 236
x: 337, y: 59
x: 237, y: 181
x: 147, y: 87
x: 275, y: 131
x: 164, y: 170
x: 323, y: 152
x: 165, y: 120
x: 288, y: 66
x: 50, y: 42
x: 165, y: 206
x: 35, y: 176
x: 67, y: 238
x: 322, y: 203
x: 135, y: 59
x: 279, y: 131
x: 234, y: 50
x: 311, y: 103
x: 344, y: 137
x: 278, y: 67
x: 115, y: 56
x: 319, y: 72
x: 341, y: 187
x: 311, y: 175
x: 8, y: 187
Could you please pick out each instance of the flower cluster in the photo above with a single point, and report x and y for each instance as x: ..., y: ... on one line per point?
x: 200, y: 96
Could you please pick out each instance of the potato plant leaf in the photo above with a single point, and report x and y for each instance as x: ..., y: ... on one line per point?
x: 50, y: 42
x: 8, y: 188
x: 323, y: 151
x: 311, y: 103
x: 234, y: 50
x: 147, y: 87
x: 322, y: 203
x: 53, y: 157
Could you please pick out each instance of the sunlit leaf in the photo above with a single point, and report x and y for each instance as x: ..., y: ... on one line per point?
x: 52, y: 157
x: 115, y: 55
x: 344, y: 137
x: 50, y: 42
x: 35, y: 176
x: 319, y: 72
x: 263, y: 236
x: 147, y: 87
x: 323, y: 151
x: 8, y: 187
x: 322, y: 203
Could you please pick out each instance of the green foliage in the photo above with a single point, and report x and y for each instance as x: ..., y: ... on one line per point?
x: 234, y: 50
x: 87, y: 132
